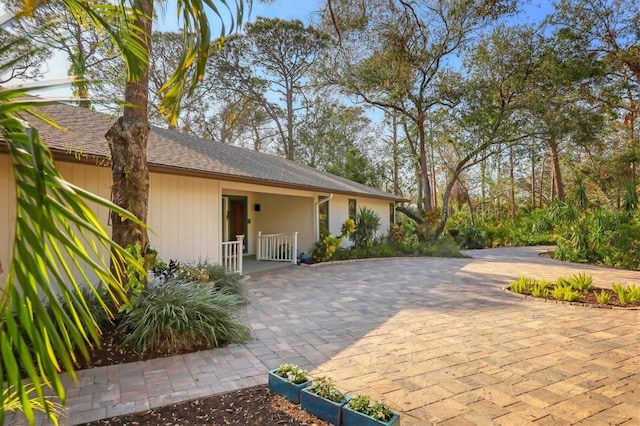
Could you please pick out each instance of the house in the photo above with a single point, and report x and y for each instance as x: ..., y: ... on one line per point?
x: 203, y: 194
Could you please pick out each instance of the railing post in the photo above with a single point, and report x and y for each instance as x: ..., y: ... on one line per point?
x: 294, y: 254
x: 259, y: 252
x: 239, y: 252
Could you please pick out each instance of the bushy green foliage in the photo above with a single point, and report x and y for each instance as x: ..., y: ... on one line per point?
x: 523, y: 285
x: 379, y: 410
x: 581, y: 282
x: 292, y: 373
x: 367, y: 224
x: 603, y: 297
x: 470, y: 237
x: 181, y: 315
x: 325, y: 388
x: 596, y: 235
x: 627, y: 294
x: 325, y: 249
x: 207, y: 272
x: 561, y: 292
x: 540, y: 288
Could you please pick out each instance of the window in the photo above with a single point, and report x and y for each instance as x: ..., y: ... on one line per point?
x: 352, y: 208
x: 392, y: 214
x: 323, y: 215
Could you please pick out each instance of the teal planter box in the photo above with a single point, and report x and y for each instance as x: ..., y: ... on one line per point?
x: 323, y: 409
x: 289, y: 390
x: 354, y: 418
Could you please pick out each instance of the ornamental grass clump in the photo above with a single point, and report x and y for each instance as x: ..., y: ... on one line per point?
x: 603, y: 297
x: 184, y: 315
x: 523, y: 285
x: 581, y: 282
x: 626, y: 294
x: 292, y: 373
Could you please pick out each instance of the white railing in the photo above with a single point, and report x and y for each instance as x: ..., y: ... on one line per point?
x: 232, y: 254
x: 278, y: 247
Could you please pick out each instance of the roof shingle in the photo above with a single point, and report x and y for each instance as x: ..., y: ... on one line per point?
x: 180, y: 153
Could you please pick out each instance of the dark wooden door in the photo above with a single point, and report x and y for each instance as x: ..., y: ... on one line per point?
x: 237, y: 219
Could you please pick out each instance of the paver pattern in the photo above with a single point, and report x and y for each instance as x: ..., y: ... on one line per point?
x: 438, y: 339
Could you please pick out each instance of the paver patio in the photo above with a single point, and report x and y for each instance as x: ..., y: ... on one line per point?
x: 436, y: 338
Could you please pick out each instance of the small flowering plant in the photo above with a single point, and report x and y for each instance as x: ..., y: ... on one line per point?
x: 292, y: 373
x: 379, y: 410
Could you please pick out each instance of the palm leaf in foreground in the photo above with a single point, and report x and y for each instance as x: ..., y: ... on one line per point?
x: 56, y: 237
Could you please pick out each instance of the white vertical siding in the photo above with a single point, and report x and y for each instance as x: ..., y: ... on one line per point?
x: 285, y: 214
x: 183, y: 214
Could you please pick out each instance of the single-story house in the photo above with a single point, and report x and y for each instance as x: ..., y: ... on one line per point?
x: 203, y: 193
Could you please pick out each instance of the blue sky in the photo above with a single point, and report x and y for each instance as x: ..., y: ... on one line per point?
x: 532, y: 10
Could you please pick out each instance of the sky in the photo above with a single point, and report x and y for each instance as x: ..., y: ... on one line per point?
x: 57, y: 67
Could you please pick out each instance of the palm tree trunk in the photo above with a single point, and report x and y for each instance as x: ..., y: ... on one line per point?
x: 127, y: 139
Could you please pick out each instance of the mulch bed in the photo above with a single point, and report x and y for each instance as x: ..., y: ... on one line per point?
x: 251, y: 406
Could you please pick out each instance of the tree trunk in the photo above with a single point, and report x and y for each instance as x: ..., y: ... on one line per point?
x: 127, y: 139
x: 289, y: 149
x: 424, y: 169
x: 533, y: 181
x: 541, y: 186
x: 557, y: 174
x: 396, y: 159
x: 512, y: 185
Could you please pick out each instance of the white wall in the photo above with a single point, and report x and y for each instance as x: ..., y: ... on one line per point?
x: 339, y: 212
x: 184, y: 218
x: 286, y: 214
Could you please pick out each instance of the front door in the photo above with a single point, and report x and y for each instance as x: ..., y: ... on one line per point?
x: 238, y: 219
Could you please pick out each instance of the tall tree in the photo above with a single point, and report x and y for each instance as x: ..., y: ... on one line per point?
x: 270, y: 63
x: 83, y: 46
x: 609, y: 31
x: 127, y: 138
x: 396, y: 55
x: 55, y: 229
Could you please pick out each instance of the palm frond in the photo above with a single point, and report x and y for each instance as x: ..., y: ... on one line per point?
x: 56, y: 237
x: 197, y: 42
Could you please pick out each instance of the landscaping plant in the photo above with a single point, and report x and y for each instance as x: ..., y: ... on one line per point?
x: 367, y: 224
x: 325, y: 388
x: 292, y: 373
x: 182, y: 315
x: 379, y: 410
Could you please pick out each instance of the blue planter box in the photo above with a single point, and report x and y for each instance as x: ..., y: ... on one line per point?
x: 354, y: 418
x: 324, y: 409
x: 289, y: 390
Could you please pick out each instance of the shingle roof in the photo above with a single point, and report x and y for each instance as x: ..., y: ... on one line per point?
x: 173, y: 152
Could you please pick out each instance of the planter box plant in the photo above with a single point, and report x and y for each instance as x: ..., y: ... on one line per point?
x: 360, y: 412
x: 288, y: 380
x: 323, y: 400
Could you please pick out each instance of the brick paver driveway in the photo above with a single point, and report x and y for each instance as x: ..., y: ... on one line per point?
x: 436, y: 338
x: 442, y: 343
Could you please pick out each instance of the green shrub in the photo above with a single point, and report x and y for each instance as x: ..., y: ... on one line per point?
x: 540, y: 288
x: 563, y: 292
x: 603, y: 297
x: 379, y: 410
x: 581, y: 282
x: 523, y: 285
x: 183, y: 315
x: 444, y: 247
x: 627, y: 294
x: 470, y: 237
x: 206, y: 272
x: 367, y: 224
x: 324, y: 387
